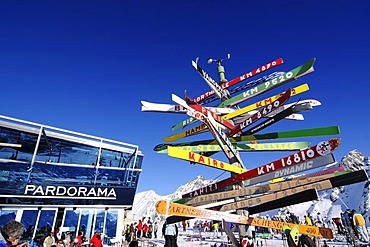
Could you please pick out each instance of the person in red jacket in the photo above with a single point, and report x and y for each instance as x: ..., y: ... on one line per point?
x: 139, y: 229
x: 145, y: 230
x: 79, y: 238
x: 96, y: 240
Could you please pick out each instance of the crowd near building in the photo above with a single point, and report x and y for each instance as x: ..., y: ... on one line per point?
x: 61, y: 184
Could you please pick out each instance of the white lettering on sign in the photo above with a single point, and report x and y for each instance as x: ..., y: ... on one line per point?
x: 72, y: 192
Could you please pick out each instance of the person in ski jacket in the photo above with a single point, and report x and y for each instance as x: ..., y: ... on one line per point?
x: 247, y: 242
x: 293, y: 218
x: 184, y: 226
x: 145, y: 230
x: 206, y: 226
x: 150, y: 230
x: 349, y: 214
x: 345, y: 219
x: 139, y: 228
x: 96, y: 240
x: 215, y: 229
x: 319, y: 221
x: 359, y: 223
x: 155, y: 229
x: 127, y: 233
x: 132, y: 232
x: 79, y: 238
x: 307, y: 220
x: 170, y: 232
x: 339, y: 225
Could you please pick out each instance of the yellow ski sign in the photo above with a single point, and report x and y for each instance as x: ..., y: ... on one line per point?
x: 202, y: 128
x: 203, y: 160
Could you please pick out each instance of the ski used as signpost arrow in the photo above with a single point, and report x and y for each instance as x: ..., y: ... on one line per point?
x: 199, y: 108
x: 278, y: 117
x: 241, y: 78
x: 260, y: 147
x: 312, y: 102
x: 295, y: 91
x: 220, y: 91
x: 256, y: 190
x: 281, y: 80
x: 305, y: 196
x: 156, y: 107
x: 213, y: 127
x: 263, y: 112
x: 305, y: 166
x: 253, y: 201
x: 308, y: 195
x: 321, y: 232
x: 322, y: 131
x: 201, y: 128
x: 321, y: 149
x: 242, y: 88
x: 222, y: 140
x: 170, y: 208
x: 203, y: 160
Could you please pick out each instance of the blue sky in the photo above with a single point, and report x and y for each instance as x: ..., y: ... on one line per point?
x: 86, y: 65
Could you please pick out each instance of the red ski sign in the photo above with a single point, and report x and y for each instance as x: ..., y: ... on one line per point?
x: 321, y: 149
x: 242, y: 78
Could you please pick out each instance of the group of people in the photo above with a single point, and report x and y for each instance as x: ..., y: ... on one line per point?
x: 207, y: 226
x: 140, y: 229
x: 354, y: 223
x: 350, y: 222
x: 13, y: 231
x: 59, y: 239
x: 146, y: 229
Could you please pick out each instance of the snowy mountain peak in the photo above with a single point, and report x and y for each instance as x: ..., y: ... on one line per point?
x: 355, y: 160
x: 197, y: 183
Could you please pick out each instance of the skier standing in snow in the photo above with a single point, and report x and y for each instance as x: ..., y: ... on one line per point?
x: 339, y: 225
x: 145, y: 230
x: 139, y: 229
x: 184, y: 226
x: 150, y: 230
x: 319, y: 221
x: 155, y: 229
x: 215, y: 229
x: 359, y: 223
x: 132, y: 232
x: 170, y: 232
x: 307, y: 220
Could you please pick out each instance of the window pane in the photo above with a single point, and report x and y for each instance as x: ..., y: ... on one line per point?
x: 6, y: 216
x: 71, y: 219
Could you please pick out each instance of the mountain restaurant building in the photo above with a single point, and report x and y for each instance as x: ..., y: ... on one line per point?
x: 52, y: 178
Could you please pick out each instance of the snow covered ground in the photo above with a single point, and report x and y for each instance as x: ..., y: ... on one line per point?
x: 207, y: 239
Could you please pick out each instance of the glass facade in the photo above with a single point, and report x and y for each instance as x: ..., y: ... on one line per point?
x: 54, y: 178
